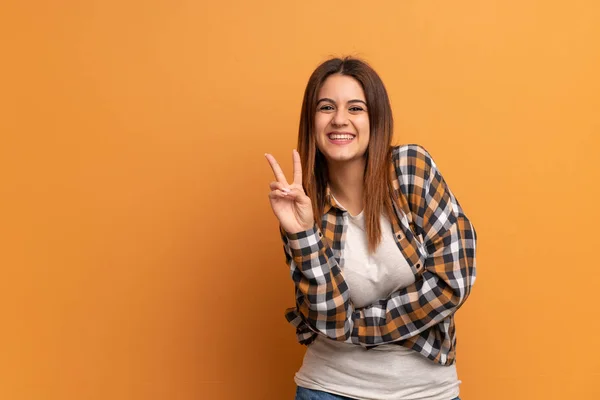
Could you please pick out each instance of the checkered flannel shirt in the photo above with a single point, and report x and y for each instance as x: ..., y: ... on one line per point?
x: 435, y: 237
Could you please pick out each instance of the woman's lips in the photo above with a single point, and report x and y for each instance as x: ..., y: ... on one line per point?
x: 340, y: 141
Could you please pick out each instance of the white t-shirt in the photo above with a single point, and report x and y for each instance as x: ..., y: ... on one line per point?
x: 386, y: 372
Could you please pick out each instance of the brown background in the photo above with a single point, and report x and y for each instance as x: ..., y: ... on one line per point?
x: 140, y: 258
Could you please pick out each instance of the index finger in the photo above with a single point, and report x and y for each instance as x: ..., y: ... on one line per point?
x: 276, y: 169
x: 297, y: 168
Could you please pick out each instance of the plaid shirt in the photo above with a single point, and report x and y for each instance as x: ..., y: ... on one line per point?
x: 435, y: 237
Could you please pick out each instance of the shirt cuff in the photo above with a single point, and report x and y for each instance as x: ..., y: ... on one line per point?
x: 304, y: 245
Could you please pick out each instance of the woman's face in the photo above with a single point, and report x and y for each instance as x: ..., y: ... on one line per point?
x: 341, y: 119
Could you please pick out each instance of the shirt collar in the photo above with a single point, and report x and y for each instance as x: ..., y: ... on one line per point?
x: 330, y: 201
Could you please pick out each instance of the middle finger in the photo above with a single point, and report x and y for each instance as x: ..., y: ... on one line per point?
x: 276, y: 169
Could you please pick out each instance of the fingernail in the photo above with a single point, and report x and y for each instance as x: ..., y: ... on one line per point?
x: 285, y: 190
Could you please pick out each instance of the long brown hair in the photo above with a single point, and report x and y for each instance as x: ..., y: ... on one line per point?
x: 378, y: 155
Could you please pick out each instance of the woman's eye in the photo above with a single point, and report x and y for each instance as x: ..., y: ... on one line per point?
x: 326, y: 108
x: 356, y: 109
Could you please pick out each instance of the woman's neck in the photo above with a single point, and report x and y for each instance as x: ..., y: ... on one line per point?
x: 346, y: 181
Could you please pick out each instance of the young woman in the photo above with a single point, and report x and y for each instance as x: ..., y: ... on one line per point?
x: 379, y: 248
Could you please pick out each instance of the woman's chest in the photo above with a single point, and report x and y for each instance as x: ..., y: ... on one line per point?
x: 374, y: 276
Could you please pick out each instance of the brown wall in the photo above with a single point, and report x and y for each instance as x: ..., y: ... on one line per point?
x: 140, y: 258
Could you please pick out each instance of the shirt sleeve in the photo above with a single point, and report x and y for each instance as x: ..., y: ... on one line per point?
x: 322, y: 297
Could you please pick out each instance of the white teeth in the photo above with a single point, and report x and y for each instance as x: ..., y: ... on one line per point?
x: 341, y: 137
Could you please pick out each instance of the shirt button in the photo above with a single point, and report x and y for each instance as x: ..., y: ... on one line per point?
x: 418, y: 266
x: 320, y: 234
x: 399, y: 237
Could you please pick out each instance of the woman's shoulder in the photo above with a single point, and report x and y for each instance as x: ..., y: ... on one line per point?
x: 411, y: 155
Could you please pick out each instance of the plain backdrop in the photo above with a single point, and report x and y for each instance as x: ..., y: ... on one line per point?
x: 139, y: 256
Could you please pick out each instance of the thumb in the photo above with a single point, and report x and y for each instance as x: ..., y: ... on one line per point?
x: 299, y: 196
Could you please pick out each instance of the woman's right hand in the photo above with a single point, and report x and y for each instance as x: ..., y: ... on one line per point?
x: 290, y: 204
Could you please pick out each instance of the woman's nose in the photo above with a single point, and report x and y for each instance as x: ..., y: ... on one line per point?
x: 340, y: 118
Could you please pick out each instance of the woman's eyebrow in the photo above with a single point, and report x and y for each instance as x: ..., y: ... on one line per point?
x: 349, y: 101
